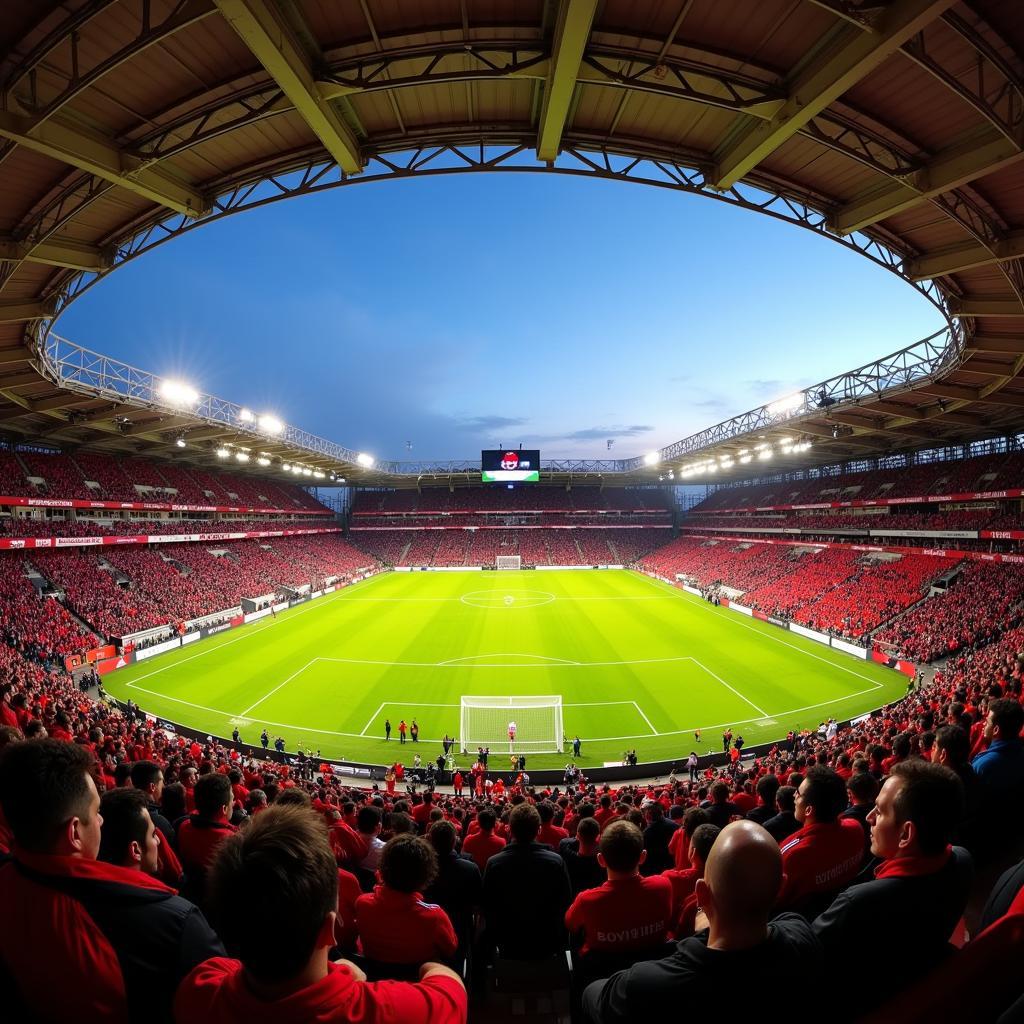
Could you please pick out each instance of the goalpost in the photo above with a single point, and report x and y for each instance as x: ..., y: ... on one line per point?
x: 508, y: 561
x: 484, y: 722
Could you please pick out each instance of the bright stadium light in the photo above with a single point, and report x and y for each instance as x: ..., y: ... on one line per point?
x: 744, y: 459
x: 652, y: 458
x: 365, y: 460
x: 765, y: 455
x: 788, y: 404
x: 285, y: 466
x: 319, y: 474
x: 270, y: 424
x: 245, y: 416
x: 177, y: 392
x: 242, y: 456
x: 223, y: 453
x: 180, y: 442
x: 263, y: 461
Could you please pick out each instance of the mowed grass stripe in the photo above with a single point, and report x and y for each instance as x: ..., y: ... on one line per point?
x: 400, y: 657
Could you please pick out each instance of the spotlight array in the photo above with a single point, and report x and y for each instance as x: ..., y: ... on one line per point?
x: 762, y: 452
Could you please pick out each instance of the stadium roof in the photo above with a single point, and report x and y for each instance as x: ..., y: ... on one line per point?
x: 896, y: 127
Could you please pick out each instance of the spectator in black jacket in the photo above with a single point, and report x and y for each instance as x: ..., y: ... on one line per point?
x: 952, y: 749
x: 737, y: 894
x: 861, y: 788
x: 456, y: 887
x: 767, y: 787
x: 83, y: 939
x: 580, y: 856
x: 784, y: 823
x: 526, y: 893
x: 657, y: 836
x: 919, y: 878
x: 130, y: 838
x: 721, y: 810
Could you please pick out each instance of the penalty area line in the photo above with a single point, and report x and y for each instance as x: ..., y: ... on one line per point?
x: 714, y: 675
x: 245, y: 713
x: 640, y: 712
x: 373, y: 718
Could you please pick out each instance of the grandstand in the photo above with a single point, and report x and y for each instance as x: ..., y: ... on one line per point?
x: 847, y: 588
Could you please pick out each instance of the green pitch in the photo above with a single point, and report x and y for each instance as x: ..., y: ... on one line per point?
x: 638, y: 664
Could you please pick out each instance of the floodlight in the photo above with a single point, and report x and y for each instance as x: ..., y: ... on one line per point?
x: 766, y: 454
x: 242, y: 456
x: 319, y: 474
x: 285, y: 466
x: 365, y: 460
x: 180, y: 442
x: 263, y: 461
x: 270, y: 424
x: 788, y: 404
x: 306, y: 471
x: 245, y: 416
x: 341, y: 480
x: 652, y: 458
x: 744, y: 459
x: 223, y: 453
x: 176, y: 392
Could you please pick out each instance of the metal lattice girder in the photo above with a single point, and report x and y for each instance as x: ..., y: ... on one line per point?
x: 267, y: 34
x: 62, y: 139
x: 985, y: 151
x: 964, y: 257
x: 840, y: 60
x: 572, y: 31
x: 56, y: 252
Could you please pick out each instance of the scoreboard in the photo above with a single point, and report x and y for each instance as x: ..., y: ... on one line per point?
x: 507, y: 465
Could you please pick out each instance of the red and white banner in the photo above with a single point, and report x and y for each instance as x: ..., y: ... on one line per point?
x: 20, y: 543
x: 155, y: 506
x: 1013, y: 492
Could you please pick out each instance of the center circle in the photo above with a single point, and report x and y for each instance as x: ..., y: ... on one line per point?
x: 507, y: 598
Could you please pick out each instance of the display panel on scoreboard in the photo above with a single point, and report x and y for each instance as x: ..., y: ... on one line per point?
x: 507, y: 465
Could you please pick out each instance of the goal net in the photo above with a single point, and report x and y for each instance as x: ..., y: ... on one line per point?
x: 487, y: 722
x: 508, y: 561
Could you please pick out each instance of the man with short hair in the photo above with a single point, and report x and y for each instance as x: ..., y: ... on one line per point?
x: 861, y: 790
x: 826, y: 854
x: 368, y: 824
x: 148, y: 778
x: 580, y: 856
x: 456, y: 887
x: 395, y: 925
x: 483, y: 844
x: 1000, y: 767
x: 275, y: 888
x: 629, y: 912
x: 550, y: 834
x: 82, y: 939
x: 684, y: 880
x: 129, y: 838
x: 200, y: 834
x: 657, y: 837
x: 525, y: 892
x: 766, y: 789
x: 783, y: 824
x: 920, y: 878
x: 737, y: 894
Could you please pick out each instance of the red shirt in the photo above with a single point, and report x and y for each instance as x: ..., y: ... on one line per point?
x: 349, y: 892
x: 820, y: 858
x: 679, y: 847
x: 551, y: 835
x: 683, y: 883
x: 198, y: 841
x: 348, y: 845
x: 399, y: 928
x: 627, y: 913
x: 216, y: 991
x: 482, y: 846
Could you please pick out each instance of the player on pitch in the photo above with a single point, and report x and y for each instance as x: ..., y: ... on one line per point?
x: 511, y: 734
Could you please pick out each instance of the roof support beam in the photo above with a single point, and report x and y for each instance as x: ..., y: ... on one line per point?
x: 60, y: 138
x: 265, y: 31
x: 841, y: 59
x: 572, y: 31
x: 995, y: 343
x: 12, y: 311
x: 958, y: 391
x: 990, y: 307
x: 982, y: 153
x: 965, y: 257
x: 55, y: 252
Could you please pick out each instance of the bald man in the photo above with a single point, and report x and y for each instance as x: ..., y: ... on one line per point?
x: 741, y: 882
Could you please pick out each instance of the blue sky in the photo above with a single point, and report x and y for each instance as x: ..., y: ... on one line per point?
x: 467, y: 310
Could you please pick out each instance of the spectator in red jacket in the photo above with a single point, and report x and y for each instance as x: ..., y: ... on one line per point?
x: 684, y: 882
x: 483, y: 844
x: 550, y: 834
x: 275, y: 889
x: 201, y: 834
x: 629, y: 912
x: 825, y: 855
x: 395, y: 925
x: 82, y: 939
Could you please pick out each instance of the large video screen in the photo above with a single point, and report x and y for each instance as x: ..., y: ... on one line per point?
x: 508, y: 465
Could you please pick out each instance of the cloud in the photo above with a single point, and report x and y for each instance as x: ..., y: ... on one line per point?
x: 485, y: 424
x: 711, y: 403
x: 601, y: 433
x: 769, y: 384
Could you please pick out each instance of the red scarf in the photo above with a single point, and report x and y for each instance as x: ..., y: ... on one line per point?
x: 913, y: 867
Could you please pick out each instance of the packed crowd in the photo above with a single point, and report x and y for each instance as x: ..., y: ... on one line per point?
x: 25, y: 473
x: 454, y: 547
x: 980, y: 474
x: 500, y: 499
x: 835, y: 590
x: 825, y: 523
x: 82, y: 526
x: 201, y: 884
